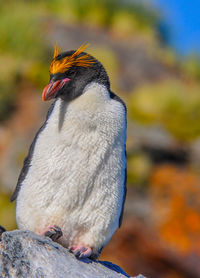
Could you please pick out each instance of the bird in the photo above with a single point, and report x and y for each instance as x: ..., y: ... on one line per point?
x: 72, y: 185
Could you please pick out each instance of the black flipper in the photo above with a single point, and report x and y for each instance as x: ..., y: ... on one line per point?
x: 27, y: 160
x: 117, y: 98
x: 124, y: 198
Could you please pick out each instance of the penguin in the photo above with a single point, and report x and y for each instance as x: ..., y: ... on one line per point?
x: 72, y: 186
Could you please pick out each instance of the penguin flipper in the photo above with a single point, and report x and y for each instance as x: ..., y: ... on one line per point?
x: 117, y: 98
x: 124, y: 198
x: 27, y: 160
x: 23, y: 173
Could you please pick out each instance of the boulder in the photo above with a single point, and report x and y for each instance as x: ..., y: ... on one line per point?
x: 24, y: 254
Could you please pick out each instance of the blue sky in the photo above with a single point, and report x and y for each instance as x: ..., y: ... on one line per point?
x: 183, y: 18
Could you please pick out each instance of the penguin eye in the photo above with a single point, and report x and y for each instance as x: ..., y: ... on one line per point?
x: 71, y: 72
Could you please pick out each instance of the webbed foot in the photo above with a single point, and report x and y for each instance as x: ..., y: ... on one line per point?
x: 54, y: 232
x: 81, y: 251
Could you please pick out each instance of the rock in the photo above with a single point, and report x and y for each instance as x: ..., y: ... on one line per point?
x: 25, y: 254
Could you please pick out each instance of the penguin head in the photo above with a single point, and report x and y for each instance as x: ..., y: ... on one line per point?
x: 71, y: 72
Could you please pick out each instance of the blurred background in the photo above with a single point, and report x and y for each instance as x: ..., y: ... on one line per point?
x: 150, y: 50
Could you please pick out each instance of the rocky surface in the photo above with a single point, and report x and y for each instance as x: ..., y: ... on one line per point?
x: 25, y: 254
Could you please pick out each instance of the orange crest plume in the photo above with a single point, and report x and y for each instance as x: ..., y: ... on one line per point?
x: 67, y: 62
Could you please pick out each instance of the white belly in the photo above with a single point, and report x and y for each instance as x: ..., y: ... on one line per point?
x: 76, y: 176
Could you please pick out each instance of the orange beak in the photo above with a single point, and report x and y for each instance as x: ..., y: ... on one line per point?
x: 51, y: 90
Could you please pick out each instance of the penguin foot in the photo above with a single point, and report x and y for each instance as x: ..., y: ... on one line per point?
x: 81, y: 251
x: 54, y: 232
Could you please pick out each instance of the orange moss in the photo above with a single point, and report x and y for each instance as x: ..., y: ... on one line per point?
x: 178, y: 191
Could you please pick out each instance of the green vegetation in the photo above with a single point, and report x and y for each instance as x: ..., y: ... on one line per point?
x: 171, y: 104
x: 25, y: 53
x: 101, y: 13
x: 191, y: 66
x: 7, y: 212
x: 22, y: 47
x: 20, y: 31
x: 138, y: 168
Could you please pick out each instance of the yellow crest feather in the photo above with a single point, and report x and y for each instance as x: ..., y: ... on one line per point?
x: 62, y: 65
x: 57, y: 51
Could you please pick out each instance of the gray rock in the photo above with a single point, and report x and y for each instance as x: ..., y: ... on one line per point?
x: 25, y: 254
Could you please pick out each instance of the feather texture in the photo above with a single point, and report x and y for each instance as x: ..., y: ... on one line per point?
x: 84, y: 193
x: 67, y: 62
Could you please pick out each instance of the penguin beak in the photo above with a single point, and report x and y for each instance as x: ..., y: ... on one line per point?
x: 51, y: 90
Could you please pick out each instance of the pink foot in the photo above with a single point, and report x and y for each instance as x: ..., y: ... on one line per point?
x: 54, y: 232
x: 81, y: 251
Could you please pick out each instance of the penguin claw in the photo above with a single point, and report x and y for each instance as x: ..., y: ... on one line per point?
x: 54, y: 232
x: 81, y: 251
